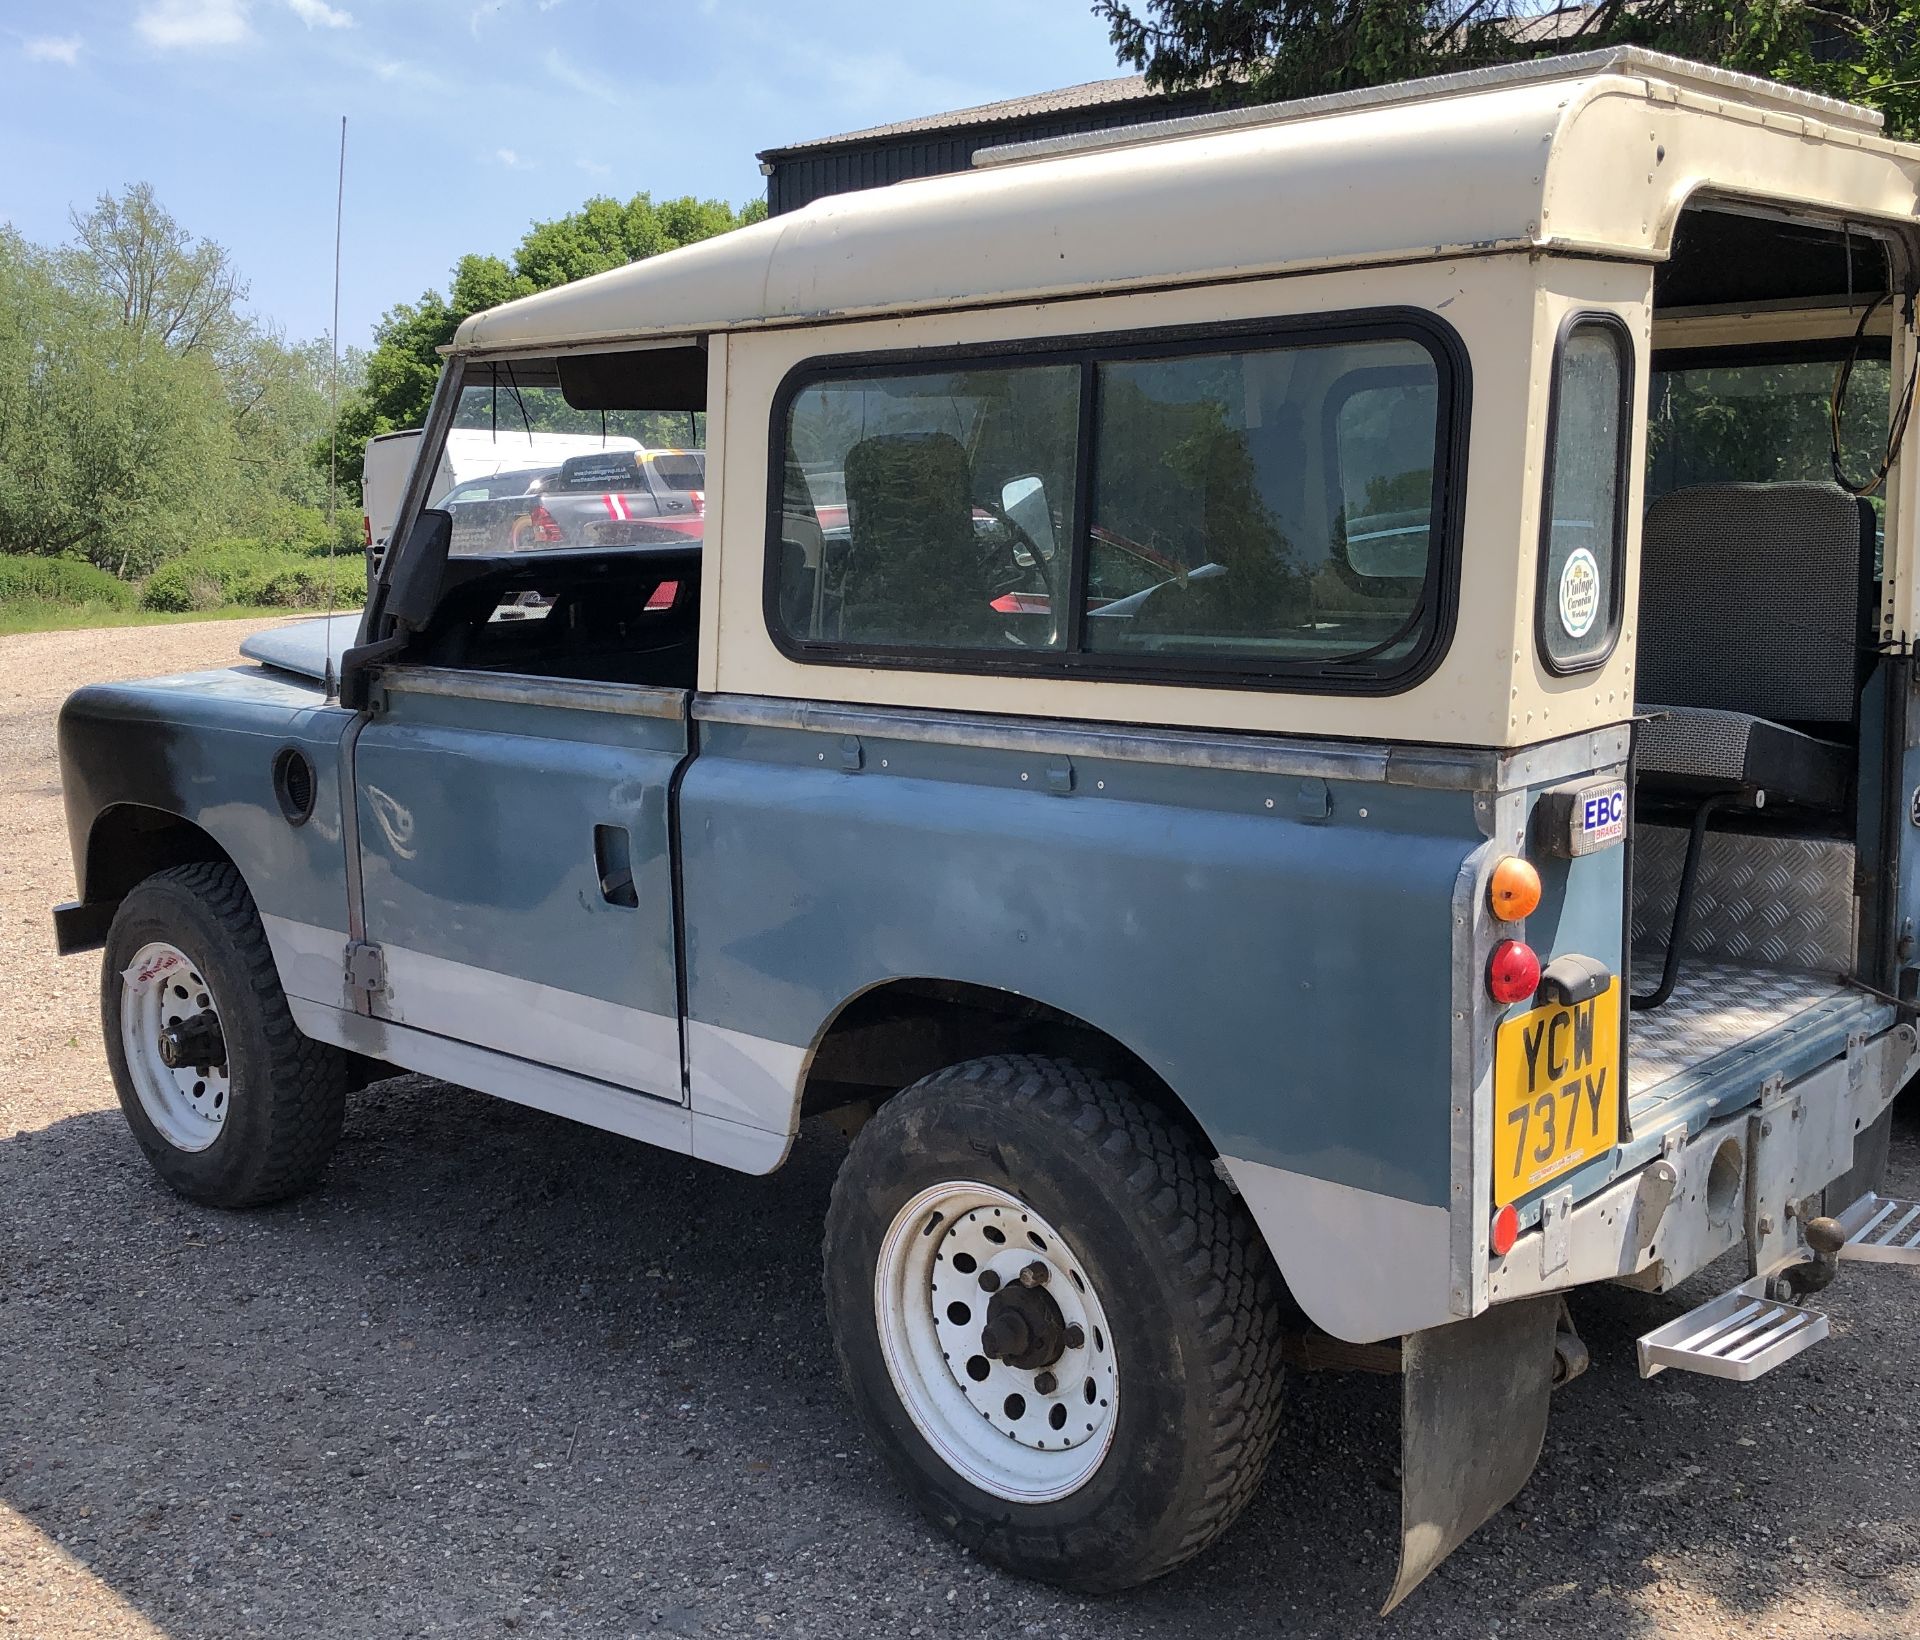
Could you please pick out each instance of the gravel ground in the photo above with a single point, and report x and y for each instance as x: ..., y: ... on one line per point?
x: 504, y: 1375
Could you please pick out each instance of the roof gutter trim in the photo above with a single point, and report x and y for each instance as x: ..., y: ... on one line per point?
x: 482, y: 348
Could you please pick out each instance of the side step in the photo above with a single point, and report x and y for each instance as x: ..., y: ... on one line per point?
x: 1881, y: 1230
x: 1738, y: 1335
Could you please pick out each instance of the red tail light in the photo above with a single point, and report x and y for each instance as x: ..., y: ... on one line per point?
x: 544, y: 528
x: 1506, y: 1231
x: 366, y: 530
x: 1513, y: 971
x: 699, y: 500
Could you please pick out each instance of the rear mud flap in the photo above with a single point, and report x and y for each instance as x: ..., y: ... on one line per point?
x: 1473, y: 1415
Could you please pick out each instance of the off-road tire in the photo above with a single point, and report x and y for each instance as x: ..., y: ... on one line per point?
x: 288, y: 1092
x: 1189, y: 1290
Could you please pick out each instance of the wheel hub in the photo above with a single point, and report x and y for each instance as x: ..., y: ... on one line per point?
x: 1025, y: 1328
x: 197, y: 1042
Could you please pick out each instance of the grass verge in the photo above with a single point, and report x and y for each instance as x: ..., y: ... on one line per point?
x: 38, y: 615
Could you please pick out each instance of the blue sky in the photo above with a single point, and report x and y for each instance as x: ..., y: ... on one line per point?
x: 467, y: 119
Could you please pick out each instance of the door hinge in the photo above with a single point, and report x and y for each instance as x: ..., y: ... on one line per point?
x: 366, y: 974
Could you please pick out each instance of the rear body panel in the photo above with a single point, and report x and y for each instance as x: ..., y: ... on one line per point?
x: 1162, y: 905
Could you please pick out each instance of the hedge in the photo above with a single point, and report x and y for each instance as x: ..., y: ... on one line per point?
x: 248, y: 572
x: 59, y: 581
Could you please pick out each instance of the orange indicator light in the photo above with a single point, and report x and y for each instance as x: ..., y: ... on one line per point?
x: 1514, y: 889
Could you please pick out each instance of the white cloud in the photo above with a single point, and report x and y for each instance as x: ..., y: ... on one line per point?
x: 187, y: 24
x: 318, y: 14
x: 594, y: 167
x: 396, y: 72
x: 55, y: 48
x: 578, y: 79
x: 512, y: 160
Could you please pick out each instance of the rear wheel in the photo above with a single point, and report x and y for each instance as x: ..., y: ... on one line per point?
x: 1055, y: 1320
x: 229, y: 1102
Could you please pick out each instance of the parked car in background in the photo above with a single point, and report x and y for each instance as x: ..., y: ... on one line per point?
x: 598, y: 499
x: 495, y: 514
x: 471, y: 454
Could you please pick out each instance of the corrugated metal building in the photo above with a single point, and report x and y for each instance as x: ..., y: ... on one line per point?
x: 939, y: 143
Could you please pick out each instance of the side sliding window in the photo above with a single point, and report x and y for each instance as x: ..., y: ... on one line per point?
x: 1276, y: 510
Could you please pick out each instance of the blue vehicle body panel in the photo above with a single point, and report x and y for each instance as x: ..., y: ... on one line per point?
x: 478, y: 846
x: 201, y: 746
x: 1277, y: 950
x: 1299, y: 958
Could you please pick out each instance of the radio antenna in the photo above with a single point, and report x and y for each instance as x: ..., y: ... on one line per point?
x: 330, y: 682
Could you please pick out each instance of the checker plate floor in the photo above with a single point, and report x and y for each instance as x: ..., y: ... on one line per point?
x: 1717, y: 1006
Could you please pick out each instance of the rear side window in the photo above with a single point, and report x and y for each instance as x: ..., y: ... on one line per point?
x: 679, y: 471
x: 1204, y: 466
x: 1583, y: 504
x: 1253, y: 512
x: 614, y: 470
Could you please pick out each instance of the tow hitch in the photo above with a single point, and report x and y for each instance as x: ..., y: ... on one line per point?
x: 1825, y: 1239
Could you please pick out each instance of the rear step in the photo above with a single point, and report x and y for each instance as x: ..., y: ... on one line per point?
x: 1881, y: 1230
x: 1746, y: 1332
x: 1738, y: 1335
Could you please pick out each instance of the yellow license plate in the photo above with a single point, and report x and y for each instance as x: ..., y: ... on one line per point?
x: 1556, y: 1092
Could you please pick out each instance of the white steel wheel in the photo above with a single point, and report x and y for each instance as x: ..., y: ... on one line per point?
x: 996, y: 1342
x: 174, y: 1045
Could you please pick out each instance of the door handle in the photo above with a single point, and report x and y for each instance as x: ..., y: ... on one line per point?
x: 613, y: 862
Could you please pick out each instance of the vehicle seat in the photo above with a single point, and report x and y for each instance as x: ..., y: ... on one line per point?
x: 1751, y: 637
x: 1753, y: 627
x: 915, y: 572
x: 801, y: 554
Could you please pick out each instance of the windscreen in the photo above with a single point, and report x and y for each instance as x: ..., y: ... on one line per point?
x: 523, y: 470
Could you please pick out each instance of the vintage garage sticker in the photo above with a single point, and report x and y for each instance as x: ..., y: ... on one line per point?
x: 139, y: 976
x: 1579, y: 593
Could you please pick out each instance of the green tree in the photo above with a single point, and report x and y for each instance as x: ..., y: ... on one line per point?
x: 142, y: 409
x: 1265, y: 50
x: 161, y: 282
x: 604, y: 233
x: 113, y: 447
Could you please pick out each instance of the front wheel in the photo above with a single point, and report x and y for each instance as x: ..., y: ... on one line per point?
x: 230, y: 1103
x: 1055, y: 1321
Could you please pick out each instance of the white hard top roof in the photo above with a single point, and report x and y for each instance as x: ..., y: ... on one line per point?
x: 1539, y: 155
